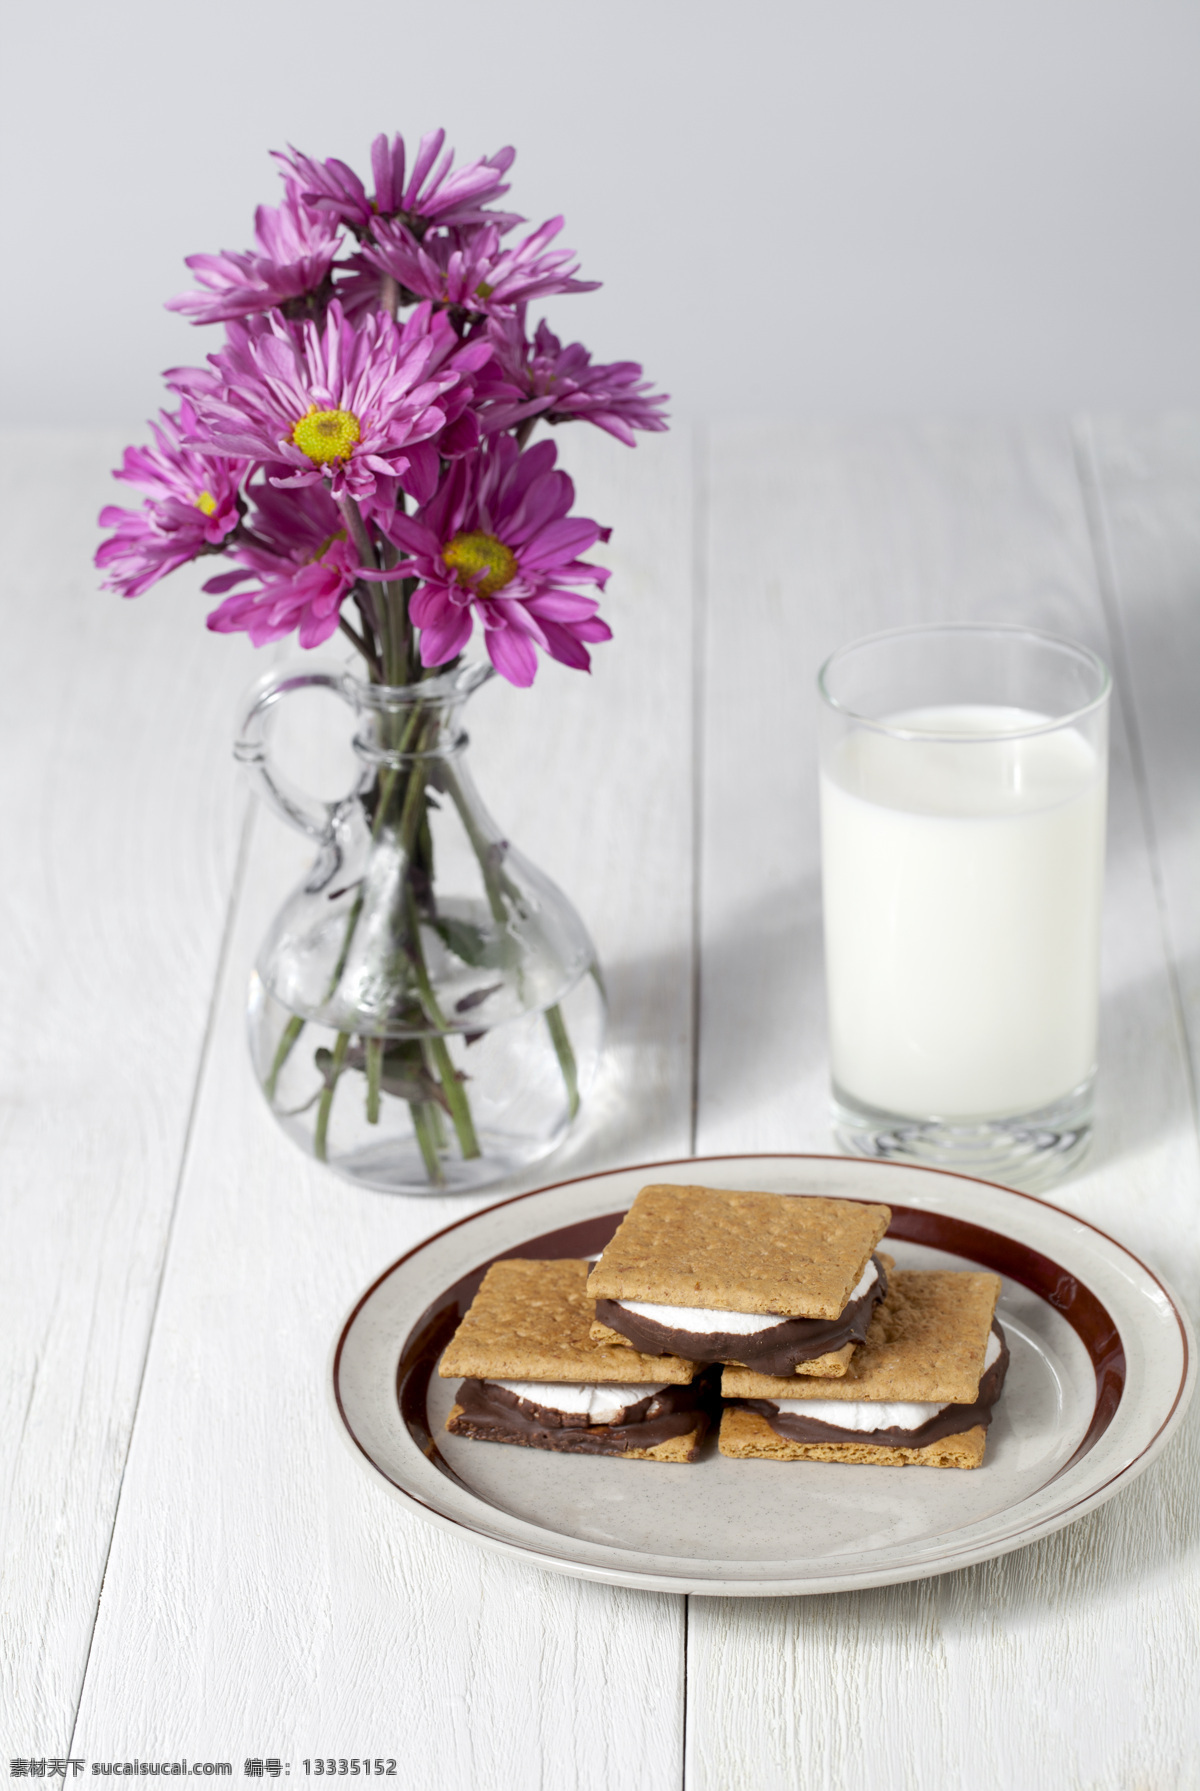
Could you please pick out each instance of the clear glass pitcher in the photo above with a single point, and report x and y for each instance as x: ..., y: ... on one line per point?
x: 426, y: 1012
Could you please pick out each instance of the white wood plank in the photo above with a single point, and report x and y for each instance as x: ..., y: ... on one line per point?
x: 121, y: 823
x: 1045, y: 1668
x: 262, y: 1595
x: 816, y: 538
x: 1144, y: 479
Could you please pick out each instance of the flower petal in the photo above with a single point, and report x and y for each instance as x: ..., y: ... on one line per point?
x: 513, y: 655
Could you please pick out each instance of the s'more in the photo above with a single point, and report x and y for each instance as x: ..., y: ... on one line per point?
x: 919, y: 1392
x: 780, y: 1283
x: 534, y: 1375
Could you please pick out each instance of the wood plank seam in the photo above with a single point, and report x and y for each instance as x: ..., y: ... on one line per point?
x: 699, y: 662
x: 924, y: 523
x: 1108, y: 583
x: 683, y: 1725
x: 265, y: 1577
x: 245, y: 834
x: 700, y: 484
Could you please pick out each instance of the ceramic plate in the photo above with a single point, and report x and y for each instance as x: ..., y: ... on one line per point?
x: 1103, y: 1365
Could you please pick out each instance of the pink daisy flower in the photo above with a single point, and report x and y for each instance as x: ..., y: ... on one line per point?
x: 478, y: 382
x: 191, y: 506
x: 302, y: 564
x: 561, y: 384
x: 470, y: 270
x: 298, y: 246
x: 435, y: 191
x: 495, y: 542
x: 332, y: 404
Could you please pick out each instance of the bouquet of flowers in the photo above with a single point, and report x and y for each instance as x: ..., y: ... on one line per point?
x: 358, y: 454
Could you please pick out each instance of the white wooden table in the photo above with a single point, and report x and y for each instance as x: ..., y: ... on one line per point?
x: 192, y: 1563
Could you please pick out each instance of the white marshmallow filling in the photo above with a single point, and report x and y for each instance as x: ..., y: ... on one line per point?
x: 877, y: 1414
x: 708, y: 1321
x: 603, y: 1402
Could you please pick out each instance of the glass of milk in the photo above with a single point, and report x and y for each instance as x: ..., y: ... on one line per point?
x: 963, y: 787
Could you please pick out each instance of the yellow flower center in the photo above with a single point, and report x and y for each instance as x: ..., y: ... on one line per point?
x: 338, y: 535
x: 481, y: 562
x: 206, y: 502
x: 484, y: 290
x: 326, y: 435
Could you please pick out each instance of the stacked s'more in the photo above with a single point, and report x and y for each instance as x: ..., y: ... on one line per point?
x: 782, y: 1284
x: 534, y: 1375
x: 919, y: 1391
x: 898, y: 1367
x: 828, y: 1352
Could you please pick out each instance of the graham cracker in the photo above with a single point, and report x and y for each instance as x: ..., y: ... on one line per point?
x: 747, y: 1436
x: 798, y: 1255
x: 926, y: 1343
x: 531, y: 1321
x: 605, y: 1334
x: 831, y: 1366
x: 684, y: 1448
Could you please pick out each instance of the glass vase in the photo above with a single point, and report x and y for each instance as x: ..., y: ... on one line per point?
x: 426, y: 1013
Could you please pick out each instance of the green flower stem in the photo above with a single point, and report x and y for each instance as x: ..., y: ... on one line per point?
x: 295, y: 1025
x: 291, y: 1033
x: 495, y: 882
x: 395, y: 630
x: 436, y: 1120
x: 326, y: 1102
x: 422, y: 1118
x: 360, y: 642
x: 412, y: 810
x: 456, y: 1098
x: 351, y: 925
x: 405, y: 788
x: 442, y: 1064
x: 429, y: 1000
x: 373, y: 1050
x: 565, y: 1055
x: 498, y: 886
x: 357, y: 528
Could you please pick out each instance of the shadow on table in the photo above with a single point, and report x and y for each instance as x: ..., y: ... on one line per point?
x: 763, y: 1019
x: 761, y: 1009
x: 1142, y: 1543
x: 1142, y: 1088
x: 762, y: 1005
x: 640, y: 1105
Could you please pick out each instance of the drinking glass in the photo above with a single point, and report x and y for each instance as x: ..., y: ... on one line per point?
x: 963, y: 791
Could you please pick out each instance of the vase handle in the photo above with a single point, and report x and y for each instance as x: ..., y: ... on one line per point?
x: 252, y: 750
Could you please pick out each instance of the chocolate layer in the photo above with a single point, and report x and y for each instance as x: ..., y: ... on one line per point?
x: 949, y: 1422
x: 492, y: 1414
x: 777, y: 1349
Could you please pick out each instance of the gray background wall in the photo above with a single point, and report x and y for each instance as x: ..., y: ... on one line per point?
x: 836, y: 206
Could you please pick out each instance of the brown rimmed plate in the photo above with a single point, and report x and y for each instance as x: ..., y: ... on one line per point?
x: 1103, y: 1366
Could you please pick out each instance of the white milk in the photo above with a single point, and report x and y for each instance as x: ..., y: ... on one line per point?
x: 962, y: 892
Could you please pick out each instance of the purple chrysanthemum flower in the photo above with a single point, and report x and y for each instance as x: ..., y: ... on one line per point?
x: 334, y: 403
x: 479, y: 383
x: 496, y: 542
x: 298, y: 245
x: 560, y: 384
x: 469, y: 269
x: 297, y: 552
x: 191, y: 507
x: 434, y: 194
